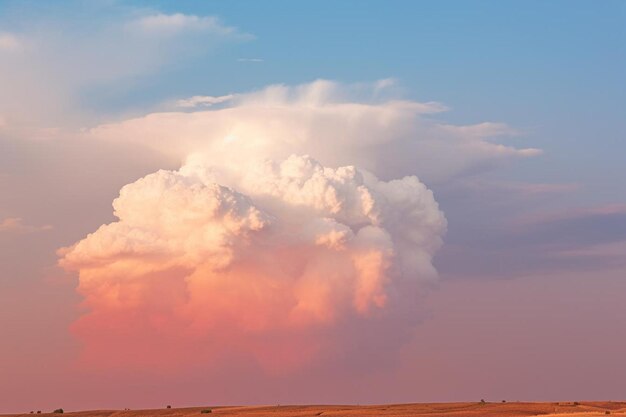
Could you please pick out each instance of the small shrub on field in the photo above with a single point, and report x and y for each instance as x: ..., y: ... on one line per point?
x: 169, y: 406
x: 207, y: 411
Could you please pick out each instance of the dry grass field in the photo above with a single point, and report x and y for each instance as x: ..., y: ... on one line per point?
x: 508, y: 409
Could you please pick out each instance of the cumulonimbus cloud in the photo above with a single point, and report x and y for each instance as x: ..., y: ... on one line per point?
x: 295, y: 225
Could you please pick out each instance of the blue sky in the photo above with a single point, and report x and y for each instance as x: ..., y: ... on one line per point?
x: 553, y: 69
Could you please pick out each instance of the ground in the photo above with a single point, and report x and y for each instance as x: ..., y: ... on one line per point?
x: 500, y: 409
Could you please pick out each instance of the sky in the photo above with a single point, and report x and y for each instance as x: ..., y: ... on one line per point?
x: 243, y: 202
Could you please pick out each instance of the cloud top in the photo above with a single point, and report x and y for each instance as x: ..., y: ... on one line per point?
x: 362, y: 125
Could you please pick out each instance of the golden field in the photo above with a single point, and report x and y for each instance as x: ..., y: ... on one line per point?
x: 501, y: 409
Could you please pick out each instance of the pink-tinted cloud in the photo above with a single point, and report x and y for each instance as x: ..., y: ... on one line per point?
x: 275, y: 262
x: 17, y: 225
x: 295, y: 231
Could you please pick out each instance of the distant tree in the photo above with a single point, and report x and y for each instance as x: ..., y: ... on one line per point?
x: 207, y: 411
x: 58, y: 411
x: 169, y: 406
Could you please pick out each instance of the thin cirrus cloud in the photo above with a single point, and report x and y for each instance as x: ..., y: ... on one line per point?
x: 582, y: 227
x: 476, y: 186
x: 291, y: 230
x: 590, y: 239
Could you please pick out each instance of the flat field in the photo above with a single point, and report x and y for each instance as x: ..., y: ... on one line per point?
x: 474, y: 409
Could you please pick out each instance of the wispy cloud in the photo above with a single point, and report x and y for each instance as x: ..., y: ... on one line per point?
x: 16, y: 225
x: 582, y: 215
x: 9, y: 42
x: 203, y: 101
x: 396, y: 129
x: 173, y: 24
x: 522, y: 189
x: 590, y: 239
x: 250, y: 60
x: 59, y: 62
x: 605, y: 251
x: 482, y: 130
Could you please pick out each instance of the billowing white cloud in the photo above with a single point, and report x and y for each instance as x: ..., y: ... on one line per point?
x: 224, y: 257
